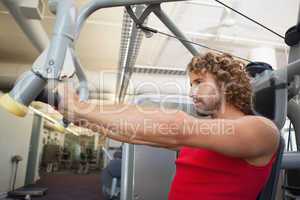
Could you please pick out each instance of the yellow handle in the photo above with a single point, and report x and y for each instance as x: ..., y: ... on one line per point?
x: 12, y: 106
x: 60, y: 128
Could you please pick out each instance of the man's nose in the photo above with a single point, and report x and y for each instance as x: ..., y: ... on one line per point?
x: 193, y: 92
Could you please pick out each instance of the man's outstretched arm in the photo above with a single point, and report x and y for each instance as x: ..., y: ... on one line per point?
x: 133, y: 123
x: 246, y: 137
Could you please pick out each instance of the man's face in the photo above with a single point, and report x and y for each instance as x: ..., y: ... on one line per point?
x: 205, y: 93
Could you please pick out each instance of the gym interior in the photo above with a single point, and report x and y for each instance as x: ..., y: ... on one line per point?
x: 134, y: 52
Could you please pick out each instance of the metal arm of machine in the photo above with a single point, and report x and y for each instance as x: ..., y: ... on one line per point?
x: 290, y: 160
x: 163, y: 17
x: 173, y: 28
x: 95, y: 5
x: 83, y: 82
x: 66, y: 30
x: 62, y: 37
x: 32, y: 83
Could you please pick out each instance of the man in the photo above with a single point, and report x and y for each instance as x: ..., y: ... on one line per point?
x: 226, y: 157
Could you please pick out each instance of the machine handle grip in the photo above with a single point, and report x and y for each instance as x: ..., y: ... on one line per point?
x: 53, y: 99
x: 49, y: 97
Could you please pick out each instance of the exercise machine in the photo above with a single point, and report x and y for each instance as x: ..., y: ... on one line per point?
x: 46, y: 70
x: 111, y: 176
x: 24, y: 192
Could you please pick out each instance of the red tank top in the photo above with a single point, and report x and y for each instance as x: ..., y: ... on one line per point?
x: 206, y: 175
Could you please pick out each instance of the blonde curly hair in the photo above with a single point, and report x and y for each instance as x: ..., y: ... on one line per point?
x: 230, y: 73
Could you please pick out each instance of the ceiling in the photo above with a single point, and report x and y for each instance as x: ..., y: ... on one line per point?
x: 99, y: 42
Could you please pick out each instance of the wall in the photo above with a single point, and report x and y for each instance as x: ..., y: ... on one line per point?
x: 14, y: 140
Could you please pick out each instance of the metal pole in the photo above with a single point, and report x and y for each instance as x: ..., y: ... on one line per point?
x: 131, y: 52
x: 32, y: 28
x: 289, y: 72
x: 62, y: 37
x: 294, y: 116
x: 83, y: 82
x: 34, y: 81
x: 292, y: 71
x: 15, y: 176
x: 295, y: 50
x: 174, y: 29
x: 127, y: 172
x: 95, y: 5
x: 290, y: 160
x: 33, y: 154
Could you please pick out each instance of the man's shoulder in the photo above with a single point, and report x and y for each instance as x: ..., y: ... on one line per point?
x: 258, y: 119
x: 259, y: 125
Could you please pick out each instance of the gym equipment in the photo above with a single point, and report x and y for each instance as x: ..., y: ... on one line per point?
x: 291, y: 186
x: 51, y: 157
x: 67, y: 28
x: 111, y: 176
x: 265, y: 105
x: 16, y: 159
x: 49, y: 64
x: 256, y: 68
x: 52, y: 98
x: 292, y: 36
x: 264, y: 100
x: 25, y: 192
x: 68, y: 25
x: 28, y: 192
x: 269, y: 191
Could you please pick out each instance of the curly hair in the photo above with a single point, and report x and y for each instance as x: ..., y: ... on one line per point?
x: 230, y: 73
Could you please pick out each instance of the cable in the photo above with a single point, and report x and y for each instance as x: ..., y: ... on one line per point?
x: 201, y: 45
x: 289, y: 146
x: 149, y: 29
x: 254, y: 21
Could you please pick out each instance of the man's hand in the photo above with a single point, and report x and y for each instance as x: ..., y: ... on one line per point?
x: 119, y: 122
x: 69, y: 102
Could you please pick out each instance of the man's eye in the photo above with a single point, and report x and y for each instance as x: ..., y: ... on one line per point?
x: 196, y: 82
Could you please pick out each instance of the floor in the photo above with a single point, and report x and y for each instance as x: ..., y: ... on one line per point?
x: 70, y: 187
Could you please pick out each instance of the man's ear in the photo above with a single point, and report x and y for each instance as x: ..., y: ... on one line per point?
x: 222, y: 87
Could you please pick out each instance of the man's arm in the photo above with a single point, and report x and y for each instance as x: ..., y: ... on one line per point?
x: 129, y: 123
x: 110, y: 134
x: 132, y: 122
x: 246, y: 137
